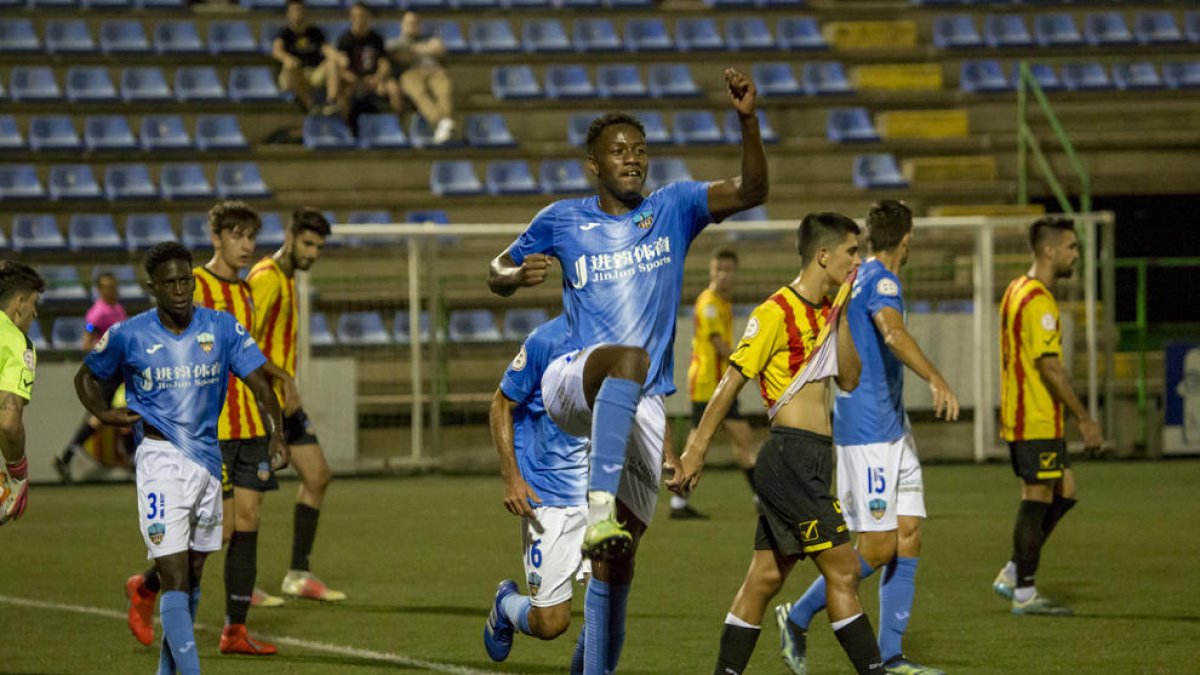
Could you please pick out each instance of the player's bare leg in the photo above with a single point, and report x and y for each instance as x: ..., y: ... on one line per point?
x: 309, y: 461
x: 241, y: 568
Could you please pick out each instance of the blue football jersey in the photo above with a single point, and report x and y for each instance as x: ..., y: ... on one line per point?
x: 177, y: 383
x: 874, y: 411
x: 623, y: 275
x: 553, y: 462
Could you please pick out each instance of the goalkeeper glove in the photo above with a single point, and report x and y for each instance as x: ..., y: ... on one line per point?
x: 16, y: 490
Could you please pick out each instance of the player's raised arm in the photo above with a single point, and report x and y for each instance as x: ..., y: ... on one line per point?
x: 890, y: 325
x: 748, y: 190
x: 260, y: 385
x: 505, y: 276
x: 517, y: 492
x: 718, y: 407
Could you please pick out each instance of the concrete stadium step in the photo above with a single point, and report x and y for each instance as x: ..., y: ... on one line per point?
x: 852, y: 35
x: 949, y: 169
x: 898, y: 77
x: 963, y: 210
x: 902, y: 124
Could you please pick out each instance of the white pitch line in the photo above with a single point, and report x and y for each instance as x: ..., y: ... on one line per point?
x: 367, y: 654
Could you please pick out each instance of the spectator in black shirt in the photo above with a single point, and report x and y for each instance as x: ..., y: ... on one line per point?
x: 364, y: 65
x: 304, y: 55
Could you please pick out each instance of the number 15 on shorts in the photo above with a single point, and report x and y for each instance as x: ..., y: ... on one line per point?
x: 156, y: 506
x: 876, y: 480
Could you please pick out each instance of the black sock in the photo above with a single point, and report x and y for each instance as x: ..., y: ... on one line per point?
x: 1028, y: 538
x: 737, y: 644
x: 750, y: 478
x: 1058, y: 509
x: 83, y: 433
x: 858, y: 641
x: 241, y: 566
x: 151, y: 581
x: 304, y: 531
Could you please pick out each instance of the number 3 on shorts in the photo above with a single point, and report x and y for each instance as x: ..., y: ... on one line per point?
x: 156, y: 505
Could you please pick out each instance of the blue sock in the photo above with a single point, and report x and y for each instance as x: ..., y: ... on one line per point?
x: 194, y: 603
x: 896, y: 591
x: 595, y: 628
x: 177, y: 628
x: 577, y: 655
x: 618, y: 598
x: 166, y: 664
x: 516, y: 609
x: 813, y: 600
x: 612, y: 419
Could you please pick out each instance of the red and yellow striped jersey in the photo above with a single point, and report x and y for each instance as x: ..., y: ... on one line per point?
x: 276, y: 315
x: 713, y: 317
x: 240, y: 417
x: 780, y: 338
x: 1029, y: 330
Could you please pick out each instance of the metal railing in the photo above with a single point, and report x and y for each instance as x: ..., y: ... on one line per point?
x: 1027, y: 143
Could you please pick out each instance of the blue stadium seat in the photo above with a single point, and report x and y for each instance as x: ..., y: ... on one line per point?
x: 696, y: 127
x: 108, y: 132
x: 36, y: 232
x: 509, y: 177
x: 982, y: 77
x: 1106, y: 28
x: 730, y: 4
x: 474, y: 5
x: 319, y: 334
x: 52, y: 4
x: 519, y: 323
x: 956, y: 32
x: 265, y: 5
x: 577, y: 126
x: 333, y: 30
x: 36, y: 336
x: 253, y: 83
x: 656, y: 127
x: 402, y: 327
x: 1006, y: 30
x: 779, y: 3
x: 568, y: 82
x: 271, y: 234
x: 68, y: 36
x: 544, y: 36
x: 775, y: 78
x: 143, y: 230
x: 698, y: 35
x: 488, y: 130
x: 231, y: 37
x: 671, y: 80
x: 493, y: 36
x: 596, y: 35
x: 362, y: 328
x: 195, y: 231
x: 20, y: 181
x: 53, y: 132
x: 10, y: 135
x: 108, y: 5
x: 850, y: 125
x: 184, y: 181
x: 128, y: 286
x: 177, y: 37
x: 326, y: 133
x: 240, y: 180
x: 144, y: 84
x: 18, y: 35
x: 368, y: 218
x: 453, y: 178
x: 162, y: 4
x: 66, y: 334
x: 164, y: 132
x: 219, y: 132
x: 1085, y: 77
x: 88, y: 84
x: 525, y: 4
x: 629, y: 4
x: 511, y: 83
x: 620, y: 81
x: 562, y: 176
x: 576, y: 4
x: 435, y: 216
x: 267, y: 31
x: 1185, y: 75
x: 1056, y: 30
x: 800, y: 33
x: 733, y: 128
x: 1141, y: 75
x: 1044, y: 74
x: 666, y: 170
x: 1191, y: 26
x: 734, y: 233
x: 877, y: 171
x: 72, y: 181
x: 648, y: 35
x: 473, y: 325
x: 748, y: 33
x: 448, y: 30
x: 380, y: 131
x: 123, y: 36
x: 128, y: 181
x: 826, y: 78
x: 420, y: 134
x: 92, y: 232
x: 198, y: 83
x: 33, y: 83
x: 1157, y: 28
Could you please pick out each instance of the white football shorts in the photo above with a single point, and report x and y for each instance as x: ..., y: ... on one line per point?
x: 877, y: 482
x: 179, y: 501
x: 562, y: 391
x: 553, y: 560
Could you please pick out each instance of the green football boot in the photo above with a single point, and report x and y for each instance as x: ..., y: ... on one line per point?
x: 606, y: 540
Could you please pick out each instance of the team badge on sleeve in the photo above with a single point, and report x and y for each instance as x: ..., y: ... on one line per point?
x: 1048, y: 321
x: 103, y: 343
x: 887, y: 287
x: 751, y: 329
x: 519, y: 362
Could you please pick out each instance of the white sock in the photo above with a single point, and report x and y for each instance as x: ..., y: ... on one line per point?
x: 600, y: 505
x: 1023, y: 595
x: 1010, y: 570
x: 678, y: 502
x: 732, y: 620
x: 838, y: 625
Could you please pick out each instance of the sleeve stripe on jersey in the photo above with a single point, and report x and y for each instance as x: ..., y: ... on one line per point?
x: 289, y: 338
x: 1019, y: 430
x: 1005, y: 337
x: 796, y: 351
x: 231, y: 404
x: 205, y: 291
x: 247, y: 398
x: 268, y: 331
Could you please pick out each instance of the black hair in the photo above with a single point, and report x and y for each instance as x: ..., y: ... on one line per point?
x: 294, y: 2
x: 603, y: 122
x: 163, y: 252
x: 1042, y: 228
x: 233, y: 214
x: 17, y: 277
x: 724, y: 253
x: 105, y: 275
x: 888, y: 222
x: 824, y: 229
x: 310, y: 219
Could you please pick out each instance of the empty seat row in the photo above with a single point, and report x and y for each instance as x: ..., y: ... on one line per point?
x: 93, y: 84
x: 132, y: 181
x: 989, y: 76
x: 128, y: 36
x: 1060, y: 30
x: 114, y: 132
x: 63, y: 283
x: 689, y: 127
x: 383, y: 131
x: 612, y: 80
x: 446, y: 5
x: 464, y: 326
x: 103, y: 5
x: 98, y: 232
x: 453, y: 178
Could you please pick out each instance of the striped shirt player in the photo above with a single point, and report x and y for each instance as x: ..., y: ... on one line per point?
x: 276, y: 314
x: 1029, y: 330
x: 713, y: 317
x: 240, y: 418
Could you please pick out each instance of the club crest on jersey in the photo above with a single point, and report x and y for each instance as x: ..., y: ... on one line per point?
x: 206, y: 341
x: 535, y: 584
x: 644, y: 219
x: 518, y: 363
x: 878, y: 508
x: 156, y: 531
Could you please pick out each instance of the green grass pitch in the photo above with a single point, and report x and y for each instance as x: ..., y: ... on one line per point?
x: 420, y: 558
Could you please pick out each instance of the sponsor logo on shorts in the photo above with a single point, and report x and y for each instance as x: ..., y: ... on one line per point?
x: 535, y: 584
x: 264, y: 471
x: 878, y: 508
x: 209, y: 521
x: 1048, y: 460
x: 156, y: 531
x: 809, y: 530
